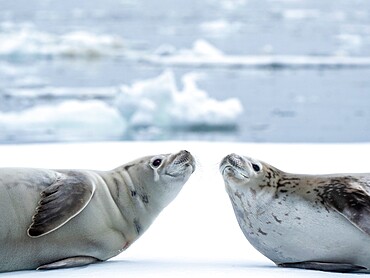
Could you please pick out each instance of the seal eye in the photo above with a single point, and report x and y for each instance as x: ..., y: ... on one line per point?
x: 256, y: 167
x: 157, y: 162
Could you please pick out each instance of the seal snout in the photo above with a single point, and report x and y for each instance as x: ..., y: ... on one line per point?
x: 184, y: 158
x: 234, y: 160
x: 235, y: 165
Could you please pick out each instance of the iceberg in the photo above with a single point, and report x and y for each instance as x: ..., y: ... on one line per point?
x: 158, y: 102
x: 149, y: 108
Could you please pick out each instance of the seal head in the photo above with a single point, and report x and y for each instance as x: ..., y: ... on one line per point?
x: 240, y: 169
x: 160, y: 177
x: 315, y: 222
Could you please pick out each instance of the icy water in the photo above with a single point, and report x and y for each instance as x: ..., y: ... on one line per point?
x: 242, y: 70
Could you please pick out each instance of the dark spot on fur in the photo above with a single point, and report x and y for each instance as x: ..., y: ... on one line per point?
x: 145, y: 199
x: 128, y: 166
x: 239, y: 195
x: 261, y: 232
x: 133, y: 193
x: 276, y: 219
x: 117, y: 185
x: 137, y: 226
x: 254, y: 193
x: 116, y: 182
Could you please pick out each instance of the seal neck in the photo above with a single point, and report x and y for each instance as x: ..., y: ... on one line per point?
x: 128, y: 193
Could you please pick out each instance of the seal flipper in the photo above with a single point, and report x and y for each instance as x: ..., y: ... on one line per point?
x: 351, y: 201
x: 332, y: 267
x: 59, y: 203
x: 69, y: 262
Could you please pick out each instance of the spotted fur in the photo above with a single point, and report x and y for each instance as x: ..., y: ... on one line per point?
x: 319, y: 222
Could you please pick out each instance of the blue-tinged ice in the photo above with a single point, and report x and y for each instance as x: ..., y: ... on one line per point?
x: 158, y: 102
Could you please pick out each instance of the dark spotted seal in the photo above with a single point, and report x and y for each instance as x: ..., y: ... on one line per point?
x: 64, y: 218
x: 319, y: 222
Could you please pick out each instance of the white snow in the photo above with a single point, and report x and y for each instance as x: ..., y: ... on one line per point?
x: 197, y: 235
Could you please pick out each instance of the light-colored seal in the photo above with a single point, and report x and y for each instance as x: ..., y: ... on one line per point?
x: 319, y: 222
x: 65, y: 218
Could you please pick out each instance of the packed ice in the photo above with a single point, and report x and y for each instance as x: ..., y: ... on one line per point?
x: 204, y: 54
x: 67, y: 121
x: 26, y: 40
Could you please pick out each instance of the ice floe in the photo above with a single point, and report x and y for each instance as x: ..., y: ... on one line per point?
x: 67, y: 121
x: 110, y: 113
x: 204, y: 54
x: 26, y: 41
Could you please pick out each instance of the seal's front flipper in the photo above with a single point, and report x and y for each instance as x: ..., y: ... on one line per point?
x: 69, y: 262
x: 333, y: 267
x: 60, y: 202
x: 351, y: 201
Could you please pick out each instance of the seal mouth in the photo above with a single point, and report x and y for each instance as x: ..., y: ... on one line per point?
x: 229, y: 170
x: 180, y: 163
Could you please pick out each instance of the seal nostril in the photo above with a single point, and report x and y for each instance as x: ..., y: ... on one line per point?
x: 183, y: 153
x: 235, y: 160
x: 182, y: 157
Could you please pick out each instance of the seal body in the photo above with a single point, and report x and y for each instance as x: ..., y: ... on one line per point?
x: 64, y: 218
x: 319, y: 222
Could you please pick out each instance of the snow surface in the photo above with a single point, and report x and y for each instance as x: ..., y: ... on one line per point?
x: 197, y: 235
